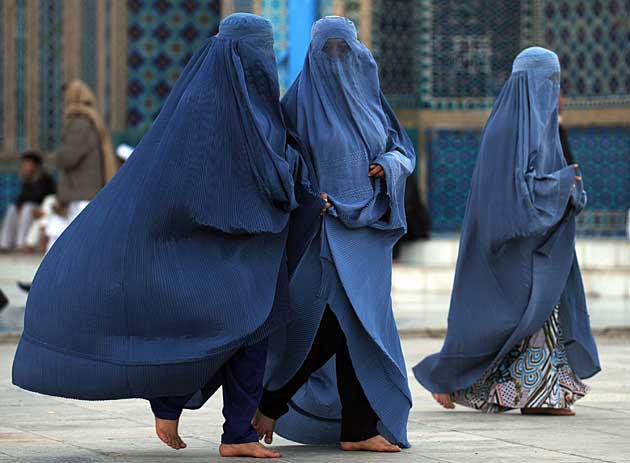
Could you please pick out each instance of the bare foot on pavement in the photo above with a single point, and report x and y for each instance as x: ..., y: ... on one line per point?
x: 166, y: 430
x: 251, y: 449
x: 375, y: 444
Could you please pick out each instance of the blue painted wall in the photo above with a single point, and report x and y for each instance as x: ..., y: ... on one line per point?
x: 302, y: 14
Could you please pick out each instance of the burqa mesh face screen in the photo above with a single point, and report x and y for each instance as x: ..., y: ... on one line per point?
x: 336, y: 48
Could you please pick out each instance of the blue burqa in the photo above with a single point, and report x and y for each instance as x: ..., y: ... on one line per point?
x: 180, y: 260
x: 517, y: 250
x: 337, y: 111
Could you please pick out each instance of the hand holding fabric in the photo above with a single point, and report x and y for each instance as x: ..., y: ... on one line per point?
x: 327, y: 206
x: 395, y: 164
x: 578, y: 195
x: 376, y: 171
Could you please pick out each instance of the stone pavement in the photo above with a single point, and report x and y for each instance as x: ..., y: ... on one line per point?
x: 417, y: 310
x: 35, y: 428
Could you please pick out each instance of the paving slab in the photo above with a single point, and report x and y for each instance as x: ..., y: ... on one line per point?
x: 36, y: 428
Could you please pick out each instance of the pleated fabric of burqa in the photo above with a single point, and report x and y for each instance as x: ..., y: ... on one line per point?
x: 517, y: 250
x: 180, y: 260
x: 338, y: 113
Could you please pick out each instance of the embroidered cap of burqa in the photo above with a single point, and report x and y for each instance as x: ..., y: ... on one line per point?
x: 337, y: 110
x: 179, y: 260
x: 517, y: 249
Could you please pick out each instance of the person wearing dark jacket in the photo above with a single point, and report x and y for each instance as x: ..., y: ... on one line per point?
x: 36, y: 185
x: 85, y: 158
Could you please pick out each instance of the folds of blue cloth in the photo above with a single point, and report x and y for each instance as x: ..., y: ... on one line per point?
x: 314, y: 414
x: 166, y: 366
x: 516, y: 258
x: 180, y: 260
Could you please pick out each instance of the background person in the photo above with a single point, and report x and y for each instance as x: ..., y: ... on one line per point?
x: 85, y: 159
x: 36, y: 184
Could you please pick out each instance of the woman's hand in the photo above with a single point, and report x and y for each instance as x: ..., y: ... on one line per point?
x: 576, y: 167
x: 327, y: 206
x: 376, y: 171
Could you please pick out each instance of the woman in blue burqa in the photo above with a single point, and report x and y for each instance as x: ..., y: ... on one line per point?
x: 336, y: 373
x: 518, y: 329
x: 168, y: 284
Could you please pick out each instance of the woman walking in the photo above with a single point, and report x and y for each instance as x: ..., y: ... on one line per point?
x: 359, y: 156
x: 518, y: 329
x: 168, y: 284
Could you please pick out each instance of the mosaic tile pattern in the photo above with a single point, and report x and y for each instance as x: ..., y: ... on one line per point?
x: 395, y: 33
x: 88, y: 43
x: 451, y: 160
x: 602, y: 153
x: 435, y: 54
x: 40, y: 59
x: 1, y: 77
x: 276, y: 11
x: 107, y: 106
x: 414, y: 136
x: 592, y: 39
x: 604, y: 156
x: 163, y: 34
x: 450, y: 54
x: 9, y: 189
x: 10, y: 183
x: 473, y: 46
x: 50, y: 71
x: 466, y: 50
x: 20, y: 75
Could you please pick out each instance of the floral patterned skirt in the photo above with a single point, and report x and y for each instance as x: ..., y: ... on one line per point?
x: 534, y: 374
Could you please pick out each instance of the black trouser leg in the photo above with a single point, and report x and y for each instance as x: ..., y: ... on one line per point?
x: 241, y: 377
x: 274, y: 403
x: 242, y: 388
x: 358, y: 418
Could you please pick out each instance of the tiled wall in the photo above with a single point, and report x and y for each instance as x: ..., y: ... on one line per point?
x: 44, y: 43
x: 603, y: 154
x: 455, y: 55
x: 451, y: 159
x: 434, y: 55
x: 592, y: 39
x: 162, y: 37
x: 9, y: 189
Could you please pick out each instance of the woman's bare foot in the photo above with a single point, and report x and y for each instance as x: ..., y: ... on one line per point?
x: 166, y: 430
x: 444, y: 400
x: 251, y: 449
x: 548, y: 411
x: 375, y: 444
x: 264, y: 426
